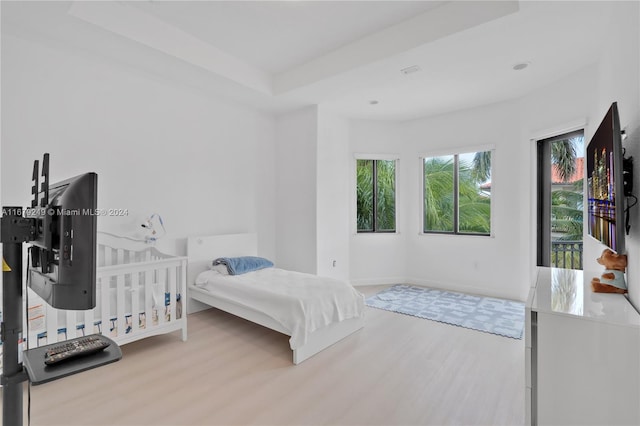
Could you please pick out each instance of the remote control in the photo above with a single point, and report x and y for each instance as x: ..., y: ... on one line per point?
x: 75, y: 348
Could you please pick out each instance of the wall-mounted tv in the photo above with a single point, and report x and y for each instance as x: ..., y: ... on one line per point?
x: 606, y: 183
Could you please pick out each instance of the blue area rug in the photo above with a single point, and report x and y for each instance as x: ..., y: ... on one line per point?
x: 488, y: 314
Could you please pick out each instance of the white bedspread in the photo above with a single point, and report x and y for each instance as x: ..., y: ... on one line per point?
x: 301, y: 303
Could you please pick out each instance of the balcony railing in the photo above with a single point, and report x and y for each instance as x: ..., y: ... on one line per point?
x: 566, y: 254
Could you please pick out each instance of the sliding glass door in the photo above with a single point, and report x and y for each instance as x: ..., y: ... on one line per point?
x: 560, y: 200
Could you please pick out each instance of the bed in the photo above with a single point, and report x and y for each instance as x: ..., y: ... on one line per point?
x: 248, y: 297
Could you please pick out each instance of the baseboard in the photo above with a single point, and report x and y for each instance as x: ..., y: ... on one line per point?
x: 478, y: 290
x: 461, y: 288
x: 378, y: 281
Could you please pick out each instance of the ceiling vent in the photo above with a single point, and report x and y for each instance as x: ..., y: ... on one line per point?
x: 521, y: 65
x: 410, y: 70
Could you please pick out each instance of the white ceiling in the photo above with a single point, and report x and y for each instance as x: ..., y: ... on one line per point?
x: 278, y: 55
x: 276, y: 36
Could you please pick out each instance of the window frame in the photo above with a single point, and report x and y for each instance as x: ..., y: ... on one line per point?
x: 375, y: 158
x: 456, y: 153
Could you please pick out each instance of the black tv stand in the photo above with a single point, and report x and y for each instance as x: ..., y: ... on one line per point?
x: 15, y: 230
x: 40, y: 373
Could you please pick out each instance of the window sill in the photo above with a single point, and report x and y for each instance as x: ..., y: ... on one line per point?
x: 448, y: 235
x: 376, y: 233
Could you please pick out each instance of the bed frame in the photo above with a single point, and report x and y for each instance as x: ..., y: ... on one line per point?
x: 202, y: 250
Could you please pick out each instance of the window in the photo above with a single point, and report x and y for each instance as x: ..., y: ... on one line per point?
x: 376, y: 195
x: 457, y: 194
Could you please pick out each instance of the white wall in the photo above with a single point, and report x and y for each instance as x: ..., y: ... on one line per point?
x: 296, y: 195
x: 619, y: 81
x: 312, y: 192
x: 377, y: 258
x: 205, y: 165
x: 475, y: 264
x: 209, y: 166
x: 501, y: 265
x: 333, y: 196
x: 558, y: 108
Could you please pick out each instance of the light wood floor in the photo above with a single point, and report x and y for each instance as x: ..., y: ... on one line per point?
x: 398, y: 370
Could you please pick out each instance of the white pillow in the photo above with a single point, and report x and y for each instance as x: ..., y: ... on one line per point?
x: 222, y: 269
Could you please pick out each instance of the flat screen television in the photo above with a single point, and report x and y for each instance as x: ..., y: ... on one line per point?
x: 63, y: 255
x: 605, y: 180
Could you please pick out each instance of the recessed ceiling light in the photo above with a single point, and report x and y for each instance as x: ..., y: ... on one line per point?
x: 373, y: 102
x: 521, y: 65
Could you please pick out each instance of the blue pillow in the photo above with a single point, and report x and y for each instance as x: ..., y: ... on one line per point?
x: 243, y: 264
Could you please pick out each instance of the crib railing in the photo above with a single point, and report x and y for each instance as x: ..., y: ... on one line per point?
x: 136, y: 287
x: 139, y: 294
x: 109, y: 256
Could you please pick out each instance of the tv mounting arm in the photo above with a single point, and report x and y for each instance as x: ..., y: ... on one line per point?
x: 37, y: 225
x: 627, y: 180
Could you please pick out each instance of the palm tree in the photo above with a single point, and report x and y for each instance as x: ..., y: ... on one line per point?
x: 438, y: 194
x: 382, y: 193
x: 364, y: 194
x: 474, y: 208
x: 566, y: 226
x: 563, y: 157
x: 567, y: 213
x: 566, y: 206
x: 386, y: 195
x: 473, y: 205
x: 482, y: 166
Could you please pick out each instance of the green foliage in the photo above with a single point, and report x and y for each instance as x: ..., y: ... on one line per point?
x: 380, y: 191
x: 563, y: 156
x: 567, y: 213
x: 481, y: 167
x: 364, y: 195
x: 438, y: 194
x: 386, y: 195
x: 474, y: 207
x: 567, y: 209
x: 376, y: 201
x: 566, y: 204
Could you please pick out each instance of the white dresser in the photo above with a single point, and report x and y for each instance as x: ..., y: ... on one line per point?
x: 582, y: 353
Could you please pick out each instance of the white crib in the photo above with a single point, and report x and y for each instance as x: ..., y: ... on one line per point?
x: 140, y: 293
